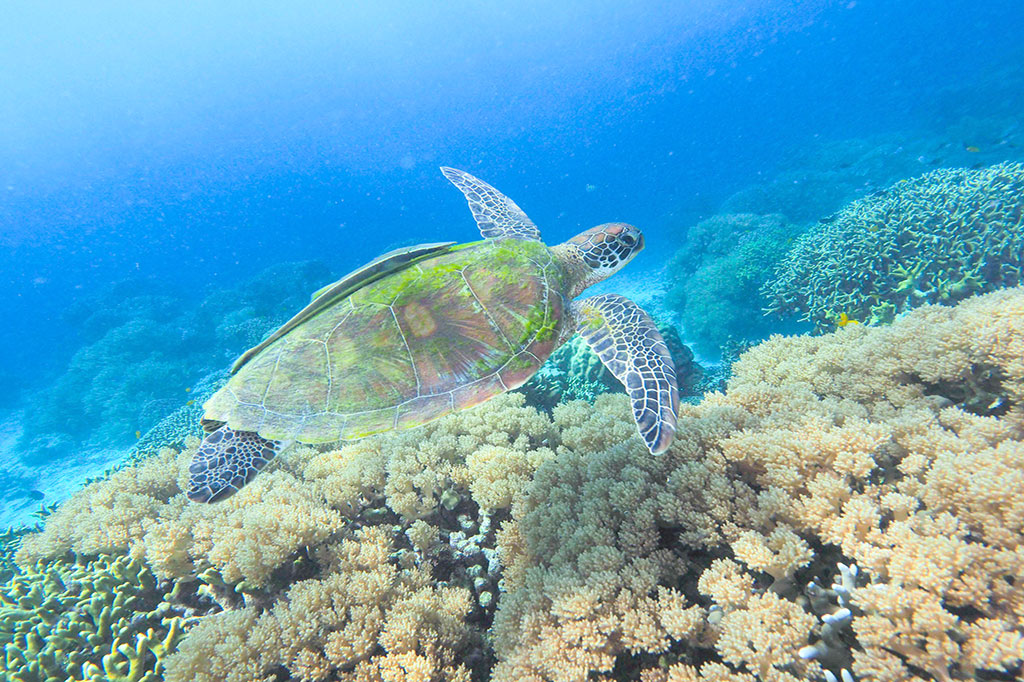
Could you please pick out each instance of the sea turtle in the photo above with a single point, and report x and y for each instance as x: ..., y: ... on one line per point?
x: 426, y: 330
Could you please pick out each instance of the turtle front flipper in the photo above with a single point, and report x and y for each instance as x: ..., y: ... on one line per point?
x: 496, y: 215
x: 225, y: 461
x: 630, y: 346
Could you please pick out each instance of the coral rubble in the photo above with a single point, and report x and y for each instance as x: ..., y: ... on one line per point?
x: 850, y: 506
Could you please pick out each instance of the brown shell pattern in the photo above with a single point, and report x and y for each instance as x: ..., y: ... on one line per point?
x: 441, y: 335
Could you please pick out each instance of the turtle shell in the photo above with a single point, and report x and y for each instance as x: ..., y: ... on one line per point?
x: 439, y: 335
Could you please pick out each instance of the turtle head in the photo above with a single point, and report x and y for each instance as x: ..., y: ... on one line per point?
x: 604, y: 250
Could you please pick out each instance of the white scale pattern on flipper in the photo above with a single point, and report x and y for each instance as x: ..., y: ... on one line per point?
x: 496, y: 215
x: 629, y: 344
x: 225, y: 461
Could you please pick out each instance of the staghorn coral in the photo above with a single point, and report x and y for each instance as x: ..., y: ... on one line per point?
x: 105, y: 619
x: 937, y: 238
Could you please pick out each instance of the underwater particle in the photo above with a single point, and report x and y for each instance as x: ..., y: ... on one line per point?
x: 427, y: 330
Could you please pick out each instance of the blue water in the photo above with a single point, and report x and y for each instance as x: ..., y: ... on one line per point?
x: 179, y: 150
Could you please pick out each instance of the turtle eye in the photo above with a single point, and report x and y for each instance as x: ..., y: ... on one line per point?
x: 628, y: 239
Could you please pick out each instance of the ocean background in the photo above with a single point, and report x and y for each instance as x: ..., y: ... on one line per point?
x: 171, y: 172
x: 842, y: 497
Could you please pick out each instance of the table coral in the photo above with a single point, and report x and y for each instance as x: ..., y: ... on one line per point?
x: 937, y: 238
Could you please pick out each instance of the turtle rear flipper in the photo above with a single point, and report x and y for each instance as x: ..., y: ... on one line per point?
x: 630, y: 346
x: 227, y: 460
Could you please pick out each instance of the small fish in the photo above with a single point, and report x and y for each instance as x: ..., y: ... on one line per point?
x: 35, y: 494
x: 138, y: 434
x: 189, y: 402
x: 844, y: 320
x: 188, y: 390
x: 971, y: 148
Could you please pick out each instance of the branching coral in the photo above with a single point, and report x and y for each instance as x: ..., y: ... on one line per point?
x: 718, y: 273
x: 363, y: 619
x: 104, y: 619
x: 824, y: 449
x: 269, y: 556
x: 898, y: 449
x: 937, y: 238
x: 107, y: 516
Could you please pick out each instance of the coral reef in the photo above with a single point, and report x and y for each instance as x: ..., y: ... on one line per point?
x: 144, y: 348
x: 937, y: 238
x: 817, y: 179
x: 828, y: 449
x: 104, y: 619
x: 363, y: 618
x: 718, y: 274
x: 848, y: 507
x: 173, y: 430
x: 10, y: 541
x: 366, y: 528
x: 574, y: 372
